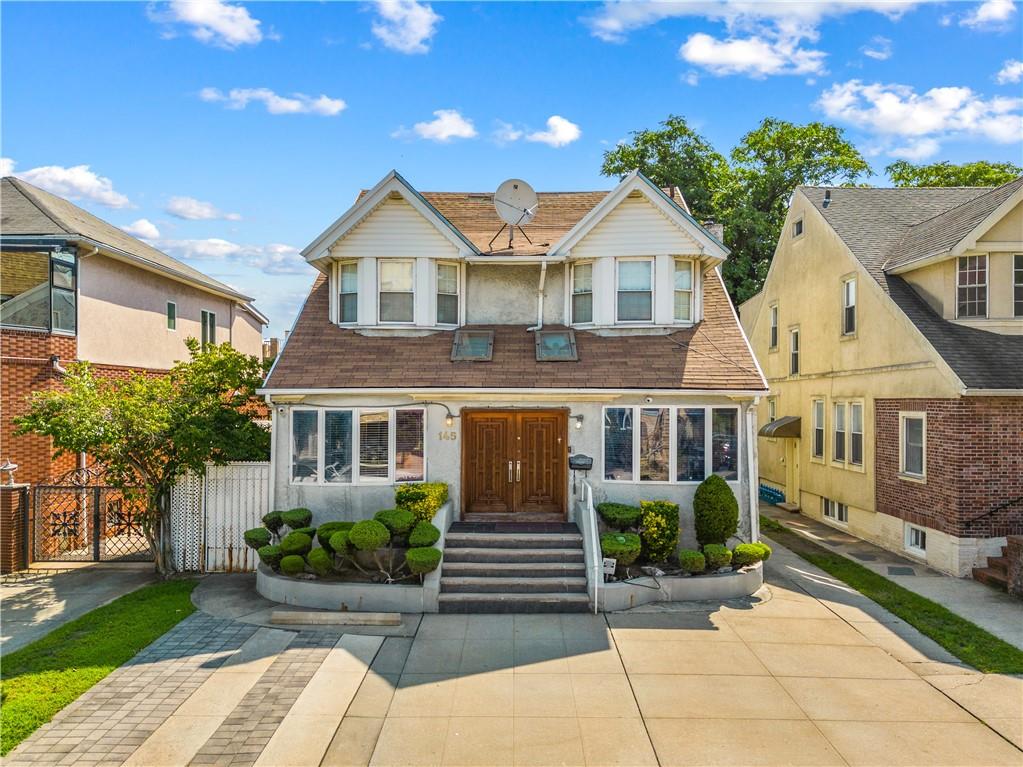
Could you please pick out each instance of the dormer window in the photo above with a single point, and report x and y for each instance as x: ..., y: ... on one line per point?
x: 397, y: 293
x: 582, y: 293
x: 349, y: 301
x: 635, y: 301
x: 683, y: 290
x: 447, y: 294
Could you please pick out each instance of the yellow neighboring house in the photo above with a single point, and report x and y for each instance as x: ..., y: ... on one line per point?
x: 890, y: 329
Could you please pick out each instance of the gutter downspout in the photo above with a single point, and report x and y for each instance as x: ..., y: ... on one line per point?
x: 751, y: 471
x: 539, y: 297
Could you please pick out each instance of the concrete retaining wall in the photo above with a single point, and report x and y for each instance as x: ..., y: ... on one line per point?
x: 625, y: 595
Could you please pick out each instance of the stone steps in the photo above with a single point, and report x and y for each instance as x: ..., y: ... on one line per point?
x: 521, y: 556
x: 516, y: 585
x: 514, y: 603
x: 996, y: 574
x: 515, y: 569
x: 513, y: 540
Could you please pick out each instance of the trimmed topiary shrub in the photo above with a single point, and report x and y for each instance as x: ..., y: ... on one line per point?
x: 320, y: 562
x: 765, y: 550
x: 327, y: 529
x: 310, y: 531
x: 339, y: 542
x: 659, y: 529
x: 274, y: 521
x: 423, y: 534
x: 296, y: 543
x: 257, y: 537
x: 398, y: 521
x: 692, y: 561
x: 619, y: 515
x: 717, y: 556
x: 421, y: 498
x: 297, y: 518
x: 369, y: 535
x: 625, y: 547
x: 749, y: 553
x: 270, y: 556
x: 716, y: 511
x: 423, y: 559
x: 292, y: 564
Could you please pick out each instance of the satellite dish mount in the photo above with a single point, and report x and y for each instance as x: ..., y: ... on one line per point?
x: 516, y: 205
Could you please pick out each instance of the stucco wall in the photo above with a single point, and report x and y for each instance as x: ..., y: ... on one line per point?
x: 506, y: 294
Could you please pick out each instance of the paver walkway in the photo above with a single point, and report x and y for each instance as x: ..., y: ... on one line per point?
x: 993, y: 610
x: 805, y: 673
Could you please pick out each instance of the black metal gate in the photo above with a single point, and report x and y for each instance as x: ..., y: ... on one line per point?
x: 81, y: 522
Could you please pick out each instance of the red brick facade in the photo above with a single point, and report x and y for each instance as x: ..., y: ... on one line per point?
x: 14, y: 503
x: 974, y: 460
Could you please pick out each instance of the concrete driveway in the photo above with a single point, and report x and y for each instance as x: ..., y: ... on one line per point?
x: 805, y: 673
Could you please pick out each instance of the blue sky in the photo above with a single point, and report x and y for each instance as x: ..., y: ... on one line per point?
x: 186, y: 117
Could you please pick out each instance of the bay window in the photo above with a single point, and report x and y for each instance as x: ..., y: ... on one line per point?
x: 305, y: 465
x: 337, y: 445
x: 654, y: 444
x: 683, y: 290
x: 447, y: 294
x: 618, y: 444
x: 396, y: 290
x: 39, y: 290
x: 725, y: 443
x: 582, y: 293
x: 635, y: 302
x: 689, y: 444
x: 374, y: 444
x: 348, y: 306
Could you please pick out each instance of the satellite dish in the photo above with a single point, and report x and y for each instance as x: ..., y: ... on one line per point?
x: 516, y: 202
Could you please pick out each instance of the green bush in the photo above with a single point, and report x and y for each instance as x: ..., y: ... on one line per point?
x: 327, y: 529
x: 749, y: 553
x: 765, y: 550
x: 692, y: 561
x: 619, y: 515
x: 717, y: 555
x: 423, y: 534
x: 398, y: 521
x: 716, y: 511
x: 297, y: 518
x: 369, y: 535
x: 292, y: 564
x: 421, y: 498
x: 310, y: 531
x: 339, y: 542
x: 270, y: 556
x: 659, y: 530
x: 296, y: 543
x: 423, y: 559
x: 274, y: 521
x: 320, y: 561
x: 625, y: 547
x: 257, y: 537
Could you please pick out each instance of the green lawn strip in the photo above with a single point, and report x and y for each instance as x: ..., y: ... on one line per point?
x: 40, y: 679
x: 964, y: 639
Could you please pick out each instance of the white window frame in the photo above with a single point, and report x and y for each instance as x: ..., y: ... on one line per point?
x: 910, y: 546
x: 358, y: 297
x: 380, y: 291
x: 653, y: 289
x: 836, y: 408
x: 356, y: 480
x: 572, y: 294
x: 795, y: 352
x: 818, y: 424
x: 986, y: 285
x: 863, y: 444
x: 172, y: 328
x: 903, y: 417
x: 836, y: 512
x: 800, y: 226
x: 457, y: 294
x: 1017, y: 282
x: 205, y: 337
x: 772, y: 409
x: 692, y: 289
x: 774, y: 334
x: 708, y: 443
x: 849, y: 285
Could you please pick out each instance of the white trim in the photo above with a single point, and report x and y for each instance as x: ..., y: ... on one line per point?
x: 774, y: 326
x: 570, y: 284
x: 823, y: 425
x: 459, y: 293
x: 653, y: 288
x: 693, y: 279
x: 336, y: 293
x: 905, y: 415
x: 738, y: 325
x: 846, y: 282
x: 986, y: 285
x: 795, y: 350
x: 849, y: 452
x: 908, y: 546
x: 566, y: 393
x: 970, y: 240
x: 413, y: 291
x: 828, y: 504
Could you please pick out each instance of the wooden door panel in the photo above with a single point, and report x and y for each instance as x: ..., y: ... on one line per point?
x: 488, y: 452
x: 541, y: 451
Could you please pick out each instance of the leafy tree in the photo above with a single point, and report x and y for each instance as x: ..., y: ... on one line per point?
x: 980, y: 173
x: 149, y: 431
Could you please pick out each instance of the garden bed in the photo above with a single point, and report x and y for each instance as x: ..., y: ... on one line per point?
x: 624, y: 595
x: 337, y: 594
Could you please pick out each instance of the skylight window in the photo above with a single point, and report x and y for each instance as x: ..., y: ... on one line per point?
x: 472, y: 346
x: 556, y: 346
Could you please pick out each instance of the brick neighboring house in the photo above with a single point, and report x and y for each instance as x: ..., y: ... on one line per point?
x: 74, y: 287
x: 890, y: 328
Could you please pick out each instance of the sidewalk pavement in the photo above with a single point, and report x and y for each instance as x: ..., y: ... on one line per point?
x: 992, y: 610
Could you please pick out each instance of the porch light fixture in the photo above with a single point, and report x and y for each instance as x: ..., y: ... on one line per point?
x: 578, y: 421
x: 449, y: 420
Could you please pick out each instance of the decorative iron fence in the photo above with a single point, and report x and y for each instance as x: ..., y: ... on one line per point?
x: 87, y: 523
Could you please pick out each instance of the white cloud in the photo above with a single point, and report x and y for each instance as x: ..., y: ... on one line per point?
x: 916, y: 149
x: 6, y: 166
x: 879, y: 48
x: 989, y: 14
x: 1011, y: 72
x: 692, y: 77
x: 447, y: 124
x: 274, y: 258
x: 214, y: 22
x: 296, y: 103
x: 893, y: 110
x: 560, y: 132
x: 75, y: 183
x: 197, y: 210
x: 506, y: 133
x: 756, y: 56
x: 143, y: 228
x: 405, y: 25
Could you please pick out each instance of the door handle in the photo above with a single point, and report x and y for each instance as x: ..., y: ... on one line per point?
x: 510, y: 471
x: 518, y: 471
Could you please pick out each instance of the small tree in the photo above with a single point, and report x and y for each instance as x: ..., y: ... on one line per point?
x: 148, y: 432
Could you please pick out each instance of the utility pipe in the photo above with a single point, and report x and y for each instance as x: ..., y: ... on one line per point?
x: 539, y: 298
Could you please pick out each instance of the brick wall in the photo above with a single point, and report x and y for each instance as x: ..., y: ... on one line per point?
x: 974, y: 459
x: 13, y: 503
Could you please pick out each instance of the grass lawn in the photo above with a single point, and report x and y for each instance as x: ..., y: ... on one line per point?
x: 964, y: 639
x: 41, y: 678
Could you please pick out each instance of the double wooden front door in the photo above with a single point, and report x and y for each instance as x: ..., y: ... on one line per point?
x: 515, y: 460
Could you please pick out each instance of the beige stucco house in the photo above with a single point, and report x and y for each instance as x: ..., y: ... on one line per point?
x: 890, y: 328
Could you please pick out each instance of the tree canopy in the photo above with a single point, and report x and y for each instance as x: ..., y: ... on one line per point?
x: 980, y: 173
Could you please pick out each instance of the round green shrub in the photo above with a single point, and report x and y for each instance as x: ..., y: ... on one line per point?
x: 270, y: 556
x: 423, y: 499
x: 619, y: 515
x: 659, y: 529
x: 257, y: 537
x: 423, y: 559
x: 369, y: 535
x: 625, y: 547
x: 320, y: 561
x: 749, y: 553
x: 339, y: 542
x: 297, y: 518
x: 398, y: 521
x: 296, y: 543
x: 327, y: 529
x: 765, y: 550
x: 274, y: 521
x: 310, y: 531
x: 423, y: 534
x: 692, y: 561
x: 717, y: 555
x: 715, y: 510
x: 292, y: 564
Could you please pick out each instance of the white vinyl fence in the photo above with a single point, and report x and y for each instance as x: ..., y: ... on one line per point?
x: 209, y: 515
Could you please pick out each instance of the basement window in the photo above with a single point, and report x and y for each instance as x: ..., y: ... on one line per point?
x: 556, y: 346
x: 472, y: 346
x: 916, y: 540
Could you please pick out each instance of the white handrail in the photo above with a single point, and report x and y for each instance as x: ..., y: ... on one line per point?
x: 591, y: 541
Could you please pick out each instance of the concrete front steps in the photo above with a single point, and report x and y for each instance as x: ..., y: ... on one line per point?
x: 996, y: 574
x: 513, y: 568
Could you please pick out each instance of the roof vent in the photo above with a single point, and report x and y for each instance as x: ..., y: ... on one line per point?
x: 827, y: 197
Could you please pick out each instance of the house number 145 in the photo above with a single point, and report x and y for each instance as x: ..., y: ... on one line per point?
x: 447, y: 435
